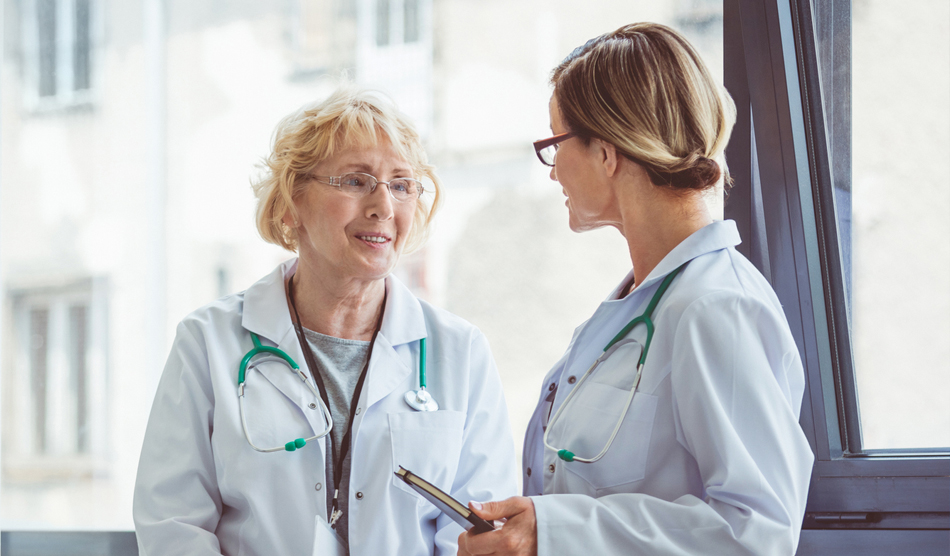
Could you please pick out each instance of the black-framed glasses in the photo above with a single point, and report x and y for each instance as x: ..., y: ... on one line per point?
x: 546, y: 149
x: 359, y: 184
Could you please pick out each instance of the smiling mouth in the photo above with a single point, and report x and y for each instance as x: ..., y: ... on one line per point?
x: 373, y: 239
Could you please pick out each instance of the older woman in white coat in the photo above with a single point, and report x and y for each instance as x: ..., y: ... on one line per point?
x: 229, y: 469
x: 684, y: 438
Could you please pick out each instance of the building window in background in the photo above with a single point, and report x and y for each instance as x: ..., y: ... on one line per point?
x: 55, y: 410
x: 58, y: 52
x: 398, y: 22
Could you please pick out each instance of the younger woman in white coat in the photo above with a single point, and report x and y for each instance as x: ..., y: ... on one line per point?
x: 344, y: 189
x: 708, y: 457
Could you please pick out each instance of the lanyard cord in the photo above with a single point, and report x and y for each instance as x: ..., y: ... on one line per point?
x: 335, y: 513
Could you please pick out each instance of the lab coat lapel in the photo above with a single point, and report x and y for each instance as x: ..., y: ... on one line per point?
x: 386, y: 371
x: 267, y: 315
x: 403, y: 323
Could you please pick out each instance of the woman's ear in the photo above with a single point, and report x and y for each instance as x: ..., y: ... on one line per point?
x: 290, y: 220
x: 607, y: 157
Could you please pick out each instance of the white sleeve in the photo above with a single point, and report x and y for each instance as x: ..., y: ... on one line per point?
x: 177, y: 505
x: 487, y: 469
x: 737, y: 384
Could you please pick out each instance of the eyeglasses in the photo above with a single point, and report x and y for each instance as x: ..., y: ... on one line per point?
x: 359, y: 184
x: 546, y: 149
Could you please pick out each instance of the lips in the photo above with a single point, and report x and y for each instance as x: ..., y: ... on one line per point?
x: 377, y: 239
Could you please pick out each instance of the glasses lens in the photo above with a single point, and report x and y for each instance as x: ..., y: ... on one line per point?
x: 404, y: 189
x: 548, y: 154
x: 358, y: 184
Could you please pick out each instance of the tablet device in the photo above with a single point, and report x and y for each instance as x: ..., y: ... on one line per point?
x: 449, y: 506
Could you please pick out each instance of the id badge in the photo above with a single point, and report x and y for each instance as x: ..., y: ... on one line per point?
x: 325, y: 540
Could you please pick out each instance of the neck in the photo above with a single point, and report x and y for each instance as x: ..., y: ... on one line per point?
x: 342, y: 309
x: 654, y: 221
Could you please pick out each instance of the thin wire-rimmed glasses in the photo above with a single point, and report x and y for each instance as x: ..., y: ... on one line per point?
x: 359, y: 184
x: 546, y: 149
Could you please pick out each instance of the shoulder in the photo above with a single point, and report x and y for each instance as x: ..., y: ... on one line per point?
x: 224, y: 313
x: 721, y: 283
x: 447, y: 325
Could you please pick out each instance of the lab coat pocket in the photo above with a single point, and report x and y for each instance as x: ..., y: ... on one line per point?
x: 597, y: 410
x: 325, y: 540
x: 429, y: 444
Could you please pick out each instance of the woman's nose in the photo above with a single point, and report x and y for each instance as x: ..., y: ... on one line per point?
x: 380, y: 203
x: 553, y: 174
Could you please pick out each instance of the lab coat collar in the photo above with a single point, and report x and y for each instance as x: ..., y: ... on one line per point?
x: 267, y: 315
x: 721, y: 234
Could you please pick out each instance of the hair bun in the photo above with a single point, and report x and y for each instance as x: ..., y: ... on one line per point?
x: 699, y: 175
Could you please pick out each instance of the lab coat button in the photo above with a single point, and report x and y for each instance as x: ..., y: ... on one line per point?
x: 551, y: 468
x: 529, y: 472
x: 571, y: 380
x: 551, y: 387
x: 359, y: 495
x: 312, y: 405
x: 358, y: 409
x: 318, y: 486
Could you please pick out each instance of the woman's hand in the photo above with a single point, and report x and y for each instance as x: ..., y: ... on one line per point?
x: 517, y: 537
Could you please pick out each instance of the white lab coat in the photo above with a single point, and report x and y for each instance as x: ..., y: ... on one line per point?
x: 201, y: 489
x: 710, y: 458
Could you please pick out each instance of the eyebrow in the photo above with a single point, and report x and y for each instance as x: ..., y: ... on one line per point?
x: 367, y: 169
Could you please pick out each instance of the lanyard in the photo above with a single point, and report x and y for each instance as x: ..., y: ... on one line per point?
x: 335, y: 512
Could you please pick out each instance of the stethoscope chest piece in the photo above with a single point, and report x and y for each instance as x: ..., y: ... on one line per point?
x: 421, y: 400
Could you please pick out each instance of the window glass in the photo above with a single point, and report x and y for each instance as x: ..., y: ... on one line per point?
x: 81, y: 46
x: 46, y: 26
x: 901, y: 221
x: 102, y: 255
x: 411, y: 20
x: 382, y: 22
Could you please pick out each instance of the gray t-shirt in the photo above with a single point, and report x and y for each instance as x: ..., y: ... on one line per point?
x: 340, y: 362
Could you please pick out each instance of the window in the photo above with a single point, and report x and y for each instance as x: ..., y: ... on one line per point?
x: 893, y: 206
x: 56, y: 407
x: 58, y: 48
x: 398, y: 22
x: 394, y: 53
x: 792, y: 146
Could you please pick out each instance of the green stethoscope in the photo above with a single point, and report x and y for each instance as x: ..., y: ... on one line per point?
x: 420, y: 400
x: 242, y: 371
x: 615, y: 343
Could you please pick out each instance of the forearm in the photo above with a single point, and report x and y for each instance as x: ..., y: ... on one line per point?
x: 632, y: 524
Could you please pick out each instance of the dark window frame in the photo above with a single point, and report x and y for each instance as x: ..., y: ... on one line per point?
x: 785, y: 207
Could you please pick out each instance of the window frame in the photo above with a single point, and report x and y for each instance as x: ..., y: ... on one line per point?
x: 22, y: 457
x: 66, y: 95
x: 780, y: 157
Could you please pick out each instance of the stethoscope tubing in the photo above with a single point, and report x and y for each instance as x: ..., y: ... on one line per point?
x: 644, y: 318
x: 242, y: 372
x: 563, y: 452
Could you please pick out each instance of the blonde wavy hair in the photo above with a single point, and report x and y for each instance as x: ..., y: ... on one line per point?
x: 350, y: 118
x: 644, y: 89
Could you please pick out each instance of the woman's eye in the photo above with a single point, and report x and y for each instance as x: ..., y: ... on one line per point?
x: 400, y: 185
x: 352, y: 181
